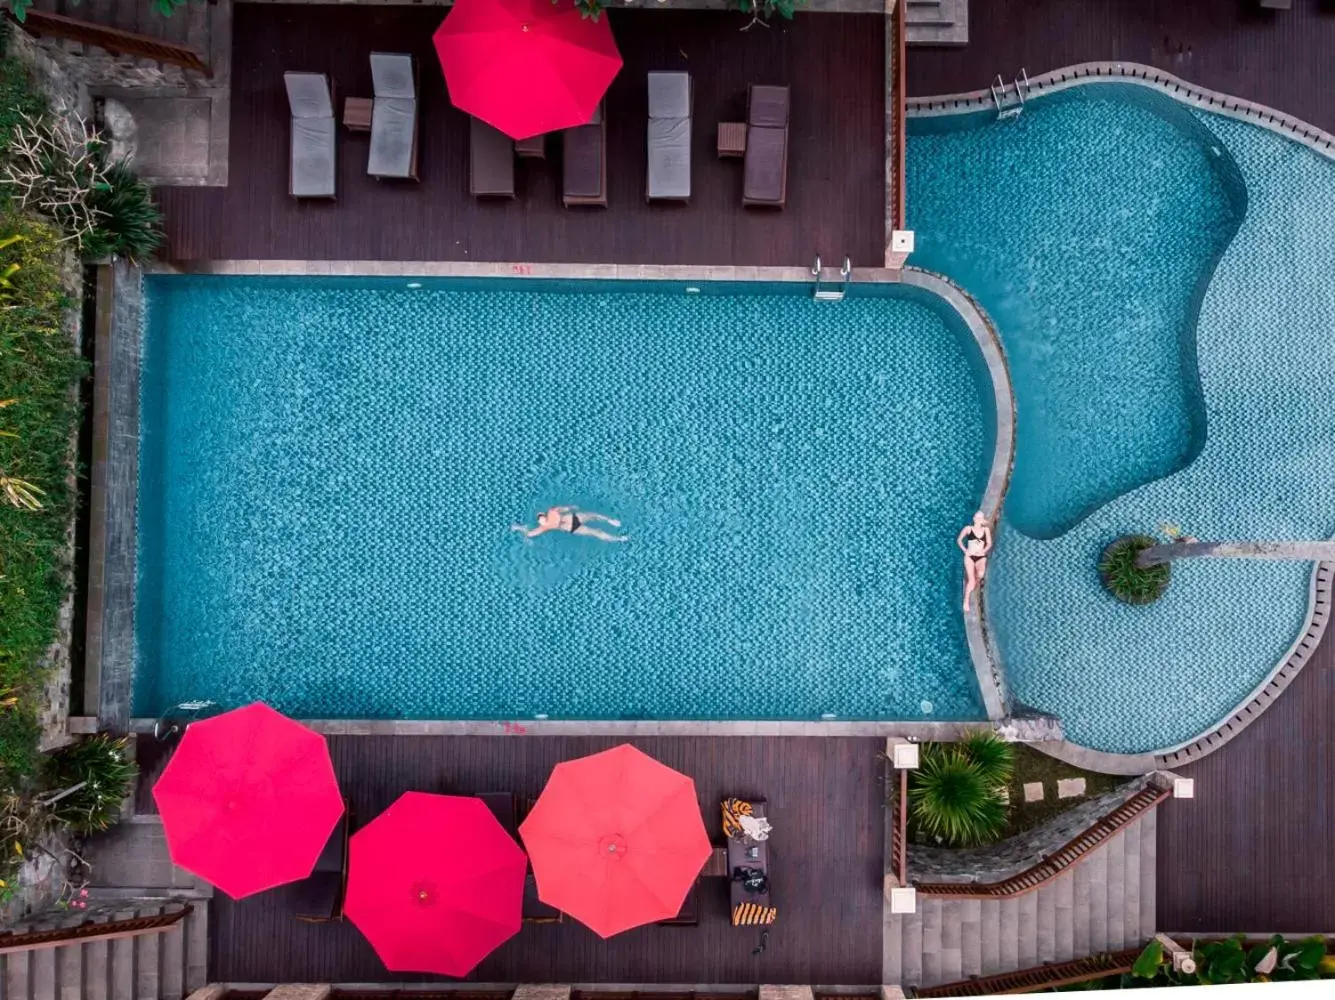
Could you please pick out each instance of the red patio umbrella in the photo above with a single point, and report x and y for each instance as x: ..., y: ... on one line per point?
x: 616, y: 840
x: 526, y: 66
x: 435, y: 883
x: 248, y: 800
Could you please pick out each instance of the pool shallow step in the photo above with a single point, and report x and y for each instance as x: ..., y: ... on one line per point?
x: 163, y: 966
x: 1104, y: 903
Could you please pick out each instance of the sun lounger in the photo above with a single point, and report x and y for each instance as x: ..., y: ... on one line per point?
x: 491, y: 161
x: 319, y: 897
x: 312, y: 168
x: 585, y: 171
x: 765, y: 173
x: 669, y: 174
x: 393, y: 117
x: 747, y: 858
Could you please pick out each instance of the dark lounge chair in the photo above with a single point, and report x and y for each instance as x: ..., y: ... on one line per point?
x: 689, y: 914
x: 319, y: 897
x: 585, y: 171
x: 669, y: 173
x: 312, y: 165
x: 393, y: 117
x: 491, y: 161
x: 765, y: 180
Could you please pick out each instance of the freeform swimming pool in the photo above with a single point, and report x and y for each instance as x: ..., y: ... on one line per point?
x: 329, y: 470
x: 1162, y: 280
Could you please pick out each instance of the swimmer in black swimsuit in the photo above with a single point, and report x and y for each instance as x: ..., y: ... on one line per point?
x: 975, y: 541
x: 572, y: 522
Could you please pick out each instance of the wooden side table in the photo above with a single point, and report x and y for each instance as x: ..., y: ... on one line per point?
x: 532, y: 148
x: 731, y: 139
x: 357, y: 114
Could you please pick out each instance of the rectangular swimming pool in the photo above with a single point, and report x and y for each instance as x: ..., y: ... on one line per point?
x: 330, y: 468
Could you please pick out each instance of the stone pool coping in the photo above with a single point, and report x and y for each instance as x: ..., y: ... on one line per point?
x: 111, y: 677
x: 1319, y: 596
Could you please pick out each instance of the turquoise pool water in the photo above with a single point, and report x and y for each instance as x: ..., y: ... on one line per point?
x: 1164, y: 284
x: 329, y: 471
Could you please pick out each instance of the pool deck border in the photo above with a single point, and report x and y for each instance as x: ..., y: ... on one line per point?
x: 1320, y: 590
x: 988, y: 671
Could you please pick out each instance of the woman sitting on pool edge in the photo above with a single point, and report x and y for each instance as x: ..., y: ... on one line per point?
x: 975, y: 541
x: 568, y: 519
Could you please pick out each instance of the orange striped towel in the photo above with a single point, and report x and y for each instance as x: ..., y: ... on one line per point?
x: 747, y: 914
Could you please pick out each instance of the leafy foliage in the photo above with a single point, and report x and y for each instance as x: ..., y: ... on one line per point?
x: 1228, y: 962
x: 994, y: 758
x: 950, y: 797
x: 1125, y: 580
x: 88, y: 781
x: 164, y: 7
x: 128, y: 223
x: 762, y: 10
x: 591, y: 9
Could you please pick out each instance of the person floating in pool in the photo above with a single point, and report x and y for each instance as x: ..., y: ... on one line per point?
x: 975, y: 541
x: 573, y: 522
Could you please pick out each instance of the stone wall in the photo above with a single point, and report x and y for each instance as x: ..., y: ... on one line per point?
x: 64, y: 69
x: 1000, y: 861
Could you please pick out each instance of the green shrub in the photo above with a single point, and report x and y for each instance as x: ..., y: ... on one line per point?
x: 1128, y: 582
x: 39, y: 369
x: 950, y: 797
x: 763, y: 10
x: 129, y: 224
x: 87, y: 781
x: 17, y: 99
x: 994, y: 758
x: 591, y: 9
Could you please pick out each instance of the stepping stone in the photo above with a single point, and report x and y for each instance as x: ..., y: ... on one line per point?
x: 1033, y: 791
x: 1070, y: 788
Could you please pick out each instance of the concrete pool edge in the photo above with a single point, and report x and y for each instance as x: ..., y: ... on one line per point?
x: 1300, y: 650
x: 1146, y: 76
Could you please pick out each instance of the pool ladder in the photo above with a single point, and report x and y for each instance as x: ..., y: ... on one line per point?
x: 832, y: 294
x: 1010, y: 105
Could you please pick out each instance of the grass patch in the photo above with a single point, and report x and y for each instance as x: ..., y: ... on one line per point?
x: 1128, y: 582
x: 1031, y: 766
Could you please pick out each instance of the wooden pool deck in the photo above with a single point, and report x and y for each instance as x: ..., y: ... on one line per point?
x: 1278, y: 58
x: 836, y: 169
x: 824, y: 799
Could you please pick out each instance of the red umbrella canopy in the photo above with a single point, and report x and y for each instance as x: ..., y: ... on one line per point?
x: 616, y: 840
x: 526, y: 66
x: 435, y: 883
x: 248, y: 800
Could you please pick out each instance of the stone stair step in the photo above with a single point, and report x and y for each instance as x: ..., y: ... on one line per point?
x: 892, y: 949
x: 16, y: 975
x: 1046, y: 906
x: 97, y: 970
x: 1027, y: 918
x: 42, y: 977
x: 69, y: 972
x: 121, y: 978
x: 952, y: 940
x: 1098, y: 900
x: 171, y: 950
x: 1131, y: 886
x: 989, y: 936
x: 931, y: 941
x: 1080, y: 899
x: 937, y: 22
x: 1149, y: 843
x: 971, y: 937
x: 1063, y: 891
x: 1115, y: 850
x: 147, y: 970
x: 1009, y: 920
x: 197, y: 947
x: 911, y: 950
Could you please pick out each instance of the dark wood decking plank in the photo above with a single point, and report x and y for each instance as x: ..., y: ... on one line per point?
x: 1251, y: 851
x: 835, y: 191
x: 824, y: 798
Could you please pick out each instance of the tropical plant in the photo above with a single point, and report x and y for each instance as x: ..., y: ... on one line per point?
x: 128, y: 223
x: 55, y: 167
x: 1218, y: 963
x: 591, y: 9
x: 164, y: 7
x: 762, y: 10
x: 88, y: 782
x: 993, y: 757
x: 951, y: 798
x: 1125, y: 579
